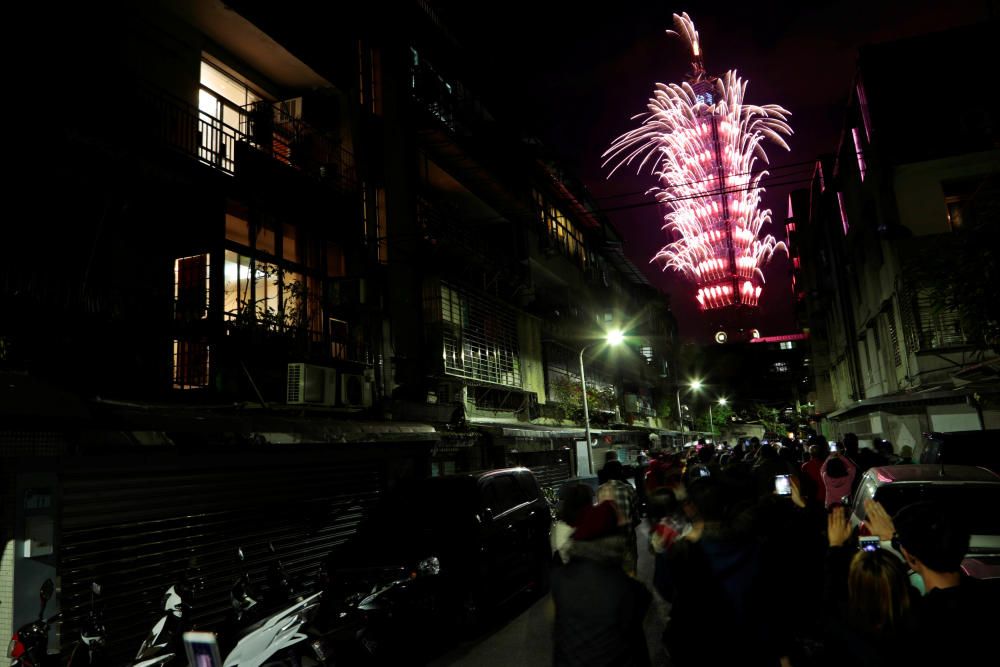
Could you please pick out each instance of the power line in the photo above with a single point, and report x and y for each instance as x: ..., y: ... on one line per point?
x: 769, y: 169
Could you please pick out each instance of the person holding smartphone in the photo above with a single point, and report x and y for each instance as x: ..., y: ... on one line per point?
x: 869, y: 600
x: 838, y: 474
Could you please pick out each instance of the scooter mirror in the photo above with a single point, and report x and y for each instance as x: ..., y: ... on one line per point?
x: 46, y: 592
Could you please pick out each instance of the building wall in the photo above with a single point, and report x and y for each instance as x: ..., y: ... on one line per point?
x: 920, y: 197
x: 529, y: 334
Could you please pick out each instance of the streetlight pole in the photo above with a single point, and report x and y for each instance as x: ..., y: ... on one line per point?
x: 711, y: 422
x: 586, y: 413
x: 680, y: 415
x: 612, y: 338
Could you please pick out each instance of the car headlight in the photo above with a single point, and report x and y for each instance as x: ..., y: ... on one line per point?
x: 429, y: 566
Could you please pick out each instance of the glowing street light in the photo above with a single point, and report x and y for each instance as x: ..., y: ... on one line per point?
x: 612, y: 338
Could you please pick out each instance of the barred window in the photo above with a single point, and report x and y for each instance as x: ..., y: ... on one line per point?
x: 478, y: 335
x: 893, y: 336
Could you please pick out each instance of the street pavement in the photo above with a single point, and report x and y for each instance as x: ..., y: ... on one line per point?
x: 526, y: 641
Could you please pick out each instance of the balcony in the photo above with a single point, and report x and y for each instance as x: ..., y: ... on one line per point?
x: 263, y: 128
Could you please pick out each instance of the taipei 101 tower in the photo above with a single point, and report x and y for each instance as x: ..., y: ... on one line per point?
x: 704, y: 143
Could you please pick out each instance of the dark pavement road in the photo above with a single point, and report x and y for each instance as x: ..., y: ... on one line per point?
x: 526, y: 640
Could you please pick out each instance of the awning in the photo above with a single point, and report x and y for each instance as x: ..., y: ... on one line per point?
x: 909, y: 398
x: 119, y: 424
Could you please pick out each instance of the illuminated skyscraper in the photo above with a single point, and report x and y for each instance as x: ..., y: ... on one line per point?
x: 702, y: 141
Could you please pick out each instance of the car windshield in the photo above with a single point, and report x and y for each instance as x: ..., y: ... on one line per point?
x: 977, y: 504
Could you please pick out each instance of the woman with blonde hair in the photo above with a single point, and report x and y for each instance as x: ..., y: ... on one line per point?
x: 870, y: 600
x: 878, y: 593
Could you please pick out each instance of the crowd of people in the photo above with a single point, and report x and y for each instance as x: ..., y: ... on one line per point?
x: 757, y: 558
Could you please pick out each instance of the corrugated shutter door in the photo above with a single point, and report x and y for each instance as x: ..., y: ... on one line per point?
x: 136, y: 530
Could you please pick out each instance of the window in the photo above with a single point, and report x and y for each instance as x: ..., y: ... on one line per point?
x: 190, y: 364
x: 862, y: 166
x: 370, y: 77
x: 382, y: 227
x: 191, y: 288
x: 478, y: 335
x: 223, y: 101
x: 338, y: 338
x: 561, y: 231
x: 647, y: 352
x: 893, y: 335
x: 958, y: 199
x: 502, y: 493
x: 257, y: 285
x: 865, y: 113
x: 843, y: 212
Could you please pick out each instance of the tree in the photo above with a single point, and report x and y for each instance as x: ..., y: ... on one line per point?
x: 768, y: 417
x: 570, y: 394
x: 722, y: 415
x: 959, y: 271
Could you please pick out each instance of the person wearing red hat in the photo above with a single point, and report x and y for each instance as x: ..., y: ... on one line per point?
x: 599, y: 608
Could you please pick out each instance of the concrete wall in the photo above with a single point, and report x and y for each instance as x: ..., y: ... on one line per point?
x: 529, y: 338
x: 956, y: 417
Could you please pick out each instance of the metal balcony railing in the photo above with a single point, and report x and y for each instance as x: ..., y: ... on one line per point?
x: 263, y: 127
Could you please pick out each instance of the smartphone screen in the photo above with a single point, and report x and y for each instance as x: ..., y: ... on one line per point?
x: 833, y: 447
x: 202, y: 649
x: 782, y: 486
x: 868, y: 543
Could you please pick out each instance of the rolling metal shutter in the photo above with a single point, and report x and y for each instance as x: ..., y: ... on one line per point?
x: 137, y: 529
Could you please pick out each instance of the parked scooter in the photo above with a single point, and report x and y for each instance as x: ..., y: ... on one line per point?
x: 89, y: 650
x: 275, y: 629
x: 29, y: 645
x: 164, y: 644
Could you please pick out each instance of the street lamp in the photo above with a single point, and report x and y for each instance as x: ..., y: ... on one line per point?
x: 695, y: 385
x: 613, y: 337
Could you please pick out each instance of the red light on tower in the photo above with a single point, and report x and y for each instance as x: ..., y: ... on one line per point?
x: 702, y: 140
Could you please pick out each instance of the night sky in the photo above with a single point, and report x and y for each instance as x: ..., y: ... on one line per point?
x: 574, y: 73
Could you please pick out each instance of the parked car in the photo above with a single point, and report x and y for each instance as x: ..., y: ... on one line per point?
x: 973, y: 493
x: 485, y: 537
x: 977, y: 448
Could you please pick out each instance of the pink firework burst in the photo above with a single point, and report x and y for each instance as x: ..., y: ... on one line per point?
x: 702, y: 141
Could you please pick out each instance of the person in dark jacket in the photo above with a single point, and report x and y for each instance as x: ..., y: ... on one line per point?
x: 599, y: 609
x: 612, y: 468
x: 958, y: 616
x: 709, y: 573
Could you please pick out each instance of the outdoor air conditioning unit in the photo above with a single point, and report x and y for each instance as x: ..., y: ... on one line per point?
x: 311, y: 385
x: 355, y: 390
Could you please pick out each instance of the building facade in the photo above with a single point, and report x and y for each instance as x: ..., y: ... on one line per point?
x: 297, y: 240
x: 896, y: 200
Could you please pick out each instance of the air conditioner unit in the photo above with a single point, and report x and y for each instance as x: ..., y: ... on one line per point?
x: 355, y: 390
x: 311, y: 385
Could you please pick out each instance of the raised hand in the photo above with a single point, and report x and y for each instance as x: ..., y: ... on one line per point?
x: 879, y: 522
x: 838, y: 528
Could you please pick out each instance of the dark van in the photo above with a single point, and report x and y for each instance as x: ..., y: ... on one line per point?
x: 974, y: 448
x: 486, y: 534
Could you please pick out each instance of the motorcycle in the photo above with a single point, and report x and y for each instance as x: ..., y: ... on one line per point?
x: 266, y: 638
x: 164, y: 643
x: 29, y: 645
x: 89, y: 650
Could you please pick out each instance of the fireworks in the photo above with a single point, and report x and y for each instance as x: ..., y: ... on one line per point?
x: 702, y: 141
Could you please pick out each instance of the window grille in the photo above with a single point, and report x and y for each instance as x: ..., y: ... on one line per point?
x: 479, y: 335
x: 894, y: 336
